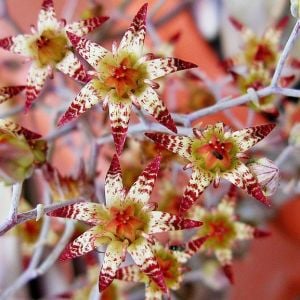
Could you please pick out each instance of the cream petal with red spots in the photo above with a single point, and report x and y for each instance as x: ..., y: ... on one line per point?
x: 47, y: 17
x: 130, y: 273
x: 133, y: 39
x: 8, y: 92
x: 17, y: 44
x: 114, y: 256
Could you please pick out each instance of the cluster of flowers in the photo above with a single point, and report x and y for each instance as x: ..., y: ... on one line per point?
x: 128, y: 221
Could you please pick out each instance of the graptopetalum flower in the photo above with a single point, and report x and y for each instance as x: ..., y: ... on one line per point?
x: 215, y: 153
x: 8, y: 92
x: 48, y: 47
x: 171, y: 264
x: 223, y: 229
x: 125, y: 223
x: 20, y: 150
x: 122, y: 77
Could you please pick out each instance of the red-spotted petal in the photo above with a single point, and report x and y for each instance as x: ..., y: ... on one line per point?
x: 177, y: 144
x: 141, y: 252
x: 113, y: 182
x: 151, y: 103
x: 161, y: 222
x: 114, y: 256
x: 83, y: 244
x: 119, y: 115
x: 71, y: 66
x: 90, y: 51
x: 244, y: 179
x: 162, y: 66
x: 35, y: 82
x: 8, y: 92
x: 244, y: 231
x: 91, y: 213
x: 133, y: 39
x: 224, y: 256
x: 129, y: 273
x: 248, y: 137
x: 18, y: 130
x: 17, y: 44
x: 87, y: 97
x: 83, y: 27
x: 140, y: 191
x: 47, y: 17
x: 194, y: 246
x: 197, y: 184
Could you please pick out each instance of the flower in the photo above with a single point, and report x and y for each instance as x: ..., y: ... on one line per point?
x: 8, y: 92
x: 48, y: 47
x: 123, y: 224
x: 170, y: 261
x: 215, y: 153
x: 123, y: 77
x: 20, y: 151
x: 223, y: 229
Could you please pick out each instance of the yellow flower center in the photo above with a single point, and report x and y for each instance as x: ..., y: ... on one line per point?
x: 50, y: 48
x: 126, y: 223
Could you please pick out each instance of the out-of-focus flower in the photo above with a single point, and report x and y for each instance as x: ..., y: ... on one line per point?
x: 294, y: 138
x: 267, y: 174
x: 170, y: 261
x: 8, y: 92
x: 68, y: 187
x: 48, y: 47
x: 124, y: 77
x: 123, y: 224
x: 215, y: 153
x: 295, y: 8
x: 223, y: 229
x: 20, y: 151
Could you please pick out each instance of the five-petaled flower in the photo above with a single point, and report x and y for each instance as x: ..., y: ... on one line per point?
x: 215, y: 153
x: 49, y: 47
x: 223, y: 229
x: 170, y: 261
x: 122, y: 77
x: 125, y: 223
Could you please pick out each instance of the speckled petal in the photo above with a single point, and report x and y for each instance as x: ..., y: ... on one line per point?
x: 130, y: 273
x: 141, y: 190
x: 119, y: 114
x: 91, y: 213
x: 248, y: 137
x: 87, y: 97
x: 83, y: 27
x: 114, y: 256
x: 83, y: 244
x: 71, y: 66
x: 133, y: 39
x: 141, y: 252
x: 177, y: 144
x: 162, y: 66
x: 224, y: 256
x: 47, y: 18
x: 113, y: 182
x: 90, y: 51
x: 197, y: 184
x: 162, y: 222
x: 8, y: 92
x: 35, y: 82
x: 17, y: 44
x: 18, y: 130
x: 151, y: 103
x: 194, y: 246
x: 244, y: 179
x: 153, y: 294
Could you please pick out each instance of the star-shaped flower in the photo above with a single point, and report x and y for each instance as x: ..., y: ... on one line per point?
x: 123, y: 224
x: 171, y: 262
x: 122, y: 77
x: 8, y: 92
x: 215, y: 153
x: 49, y: 47
x: 223, y: 229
